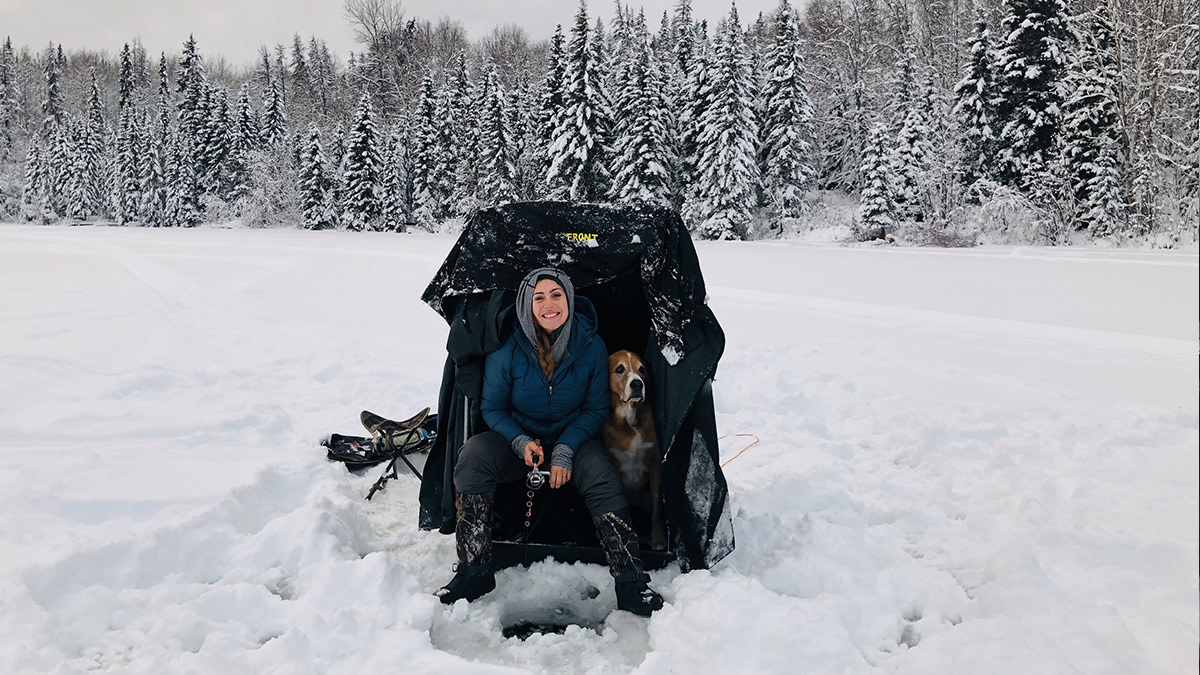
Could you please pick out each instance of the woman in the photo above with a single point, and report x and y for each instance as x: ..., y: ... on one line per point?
x: 546, y: 387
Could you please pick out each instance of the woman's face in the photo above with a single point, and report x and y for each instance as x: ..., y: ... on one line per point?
x: 549, y: 305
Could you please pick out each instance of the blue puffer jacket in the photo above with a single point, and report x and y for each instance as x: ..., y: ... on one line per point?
x: 518, y: 401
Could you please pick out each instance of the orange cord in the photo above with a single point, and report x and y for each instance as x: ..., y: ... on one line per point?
x: 726, y: 462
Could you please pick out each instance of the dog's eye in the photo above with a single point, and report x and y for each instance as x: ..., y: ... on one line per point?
x: 620, y: 369
x: 641, y: 370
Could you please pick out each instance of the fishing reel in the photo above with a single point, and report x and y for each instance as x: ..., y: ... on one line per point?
x: 536, y: 478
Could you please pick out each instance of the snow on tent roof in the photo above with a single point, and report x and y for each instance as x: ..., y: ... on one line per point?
x: 593, y: 243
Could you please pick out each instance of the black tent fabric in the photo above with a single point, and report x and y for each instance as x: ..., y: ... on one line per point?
x: 639, y: 268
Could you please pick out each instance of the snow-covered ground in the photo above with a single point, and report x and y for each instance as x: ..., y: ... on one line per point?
x: 970, y: 461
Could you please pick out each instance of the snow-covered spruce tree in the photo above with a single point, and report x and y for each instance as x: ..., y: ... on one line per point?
x: 127, y: 186
x: 395, y: 201
x: 671, y: 47
x: 692, y: 106
x: 663, y: 43
x: 155, y: 174
x: 876, y: 206
x: 642, y: 151
x: 192, y: 86
x: 1092, y: 130
x: 497, y: 171
x: 93, y: 155
x: 126, y: 82
x: 76, y: 194
x: 183, y: 185
x: 551, y: 106
x: 974, y: 106
x: 281, y: 72
x: 580, y: 152
x: 622, y: 59
x: 52, y: 108
x: 911, y: 154
x: 156, y: 171
x: 274, y: 118
x: 58, y: 157
x: 147, y: 170
x: 361, y: 209
x: 246, y: 129
x: 684, y: 31
x: 216, y: 143
x: 1029, y: 91
x: 314, y: 184
x: 430, y: 189
x: 164, y: 82
x: 186, y: 173
x: 35, y: 198
x: 902, y: 88
x: 450, y: 145
x: 8, y: 100
x: 787, y: 121
x: 235, y: 175
x: 727, y: 171
x: 662, y: 50
x: 462, y: 143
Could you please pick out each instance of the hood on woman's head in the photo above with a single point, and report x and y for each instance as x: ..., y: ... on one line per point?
x: 524, y: 306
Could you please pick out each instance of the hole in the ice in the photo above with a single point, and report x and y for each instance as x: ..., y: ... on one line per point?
x: 549, y: 617
x: 525, y: 622
x: 526, y: 629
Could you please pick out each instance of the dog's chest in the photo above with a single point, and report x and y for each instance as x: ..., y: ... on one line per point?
x: 632, y: 462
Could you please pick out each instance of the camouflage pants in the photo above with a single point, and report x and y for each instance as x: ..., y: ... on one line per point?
x: 473, y: 532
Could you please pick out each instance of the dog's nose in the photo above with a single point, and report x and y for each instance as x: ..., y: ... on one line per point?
x: 635, y: 386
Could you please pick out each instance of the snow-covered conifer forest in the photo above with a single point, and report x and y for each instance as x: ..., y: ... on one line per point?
x: 937, y: 122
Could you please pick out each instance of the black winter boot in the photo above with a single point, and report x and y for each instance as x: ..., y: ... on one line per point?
x: 625, y: 563
x: 473, y: 538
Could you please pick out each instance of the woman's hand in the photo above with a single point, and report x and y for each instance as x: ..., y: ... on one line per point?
x: 533, y: 454
x: 559, y: 476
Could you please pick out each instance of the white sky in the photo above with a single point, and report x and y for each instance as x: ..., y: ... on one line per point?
x: 236, y: 29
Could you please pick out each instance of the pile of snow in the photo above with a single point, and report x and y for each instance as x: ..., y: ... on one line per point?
x: 974, y: 461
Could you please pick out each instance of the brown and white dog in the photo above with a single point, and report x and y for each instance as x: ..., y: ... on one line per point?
x: 630, y: 439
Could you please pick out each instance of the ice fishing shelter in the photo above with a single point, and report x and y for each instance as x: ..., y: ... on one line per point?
x: 639, y: 268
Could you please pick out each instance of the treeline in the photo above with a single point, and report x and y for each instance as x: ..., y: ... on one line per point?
x: 943, y: 119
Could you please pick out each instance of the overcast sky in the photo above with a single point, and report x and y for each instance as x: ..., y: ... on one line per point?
x: 236, y: 29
